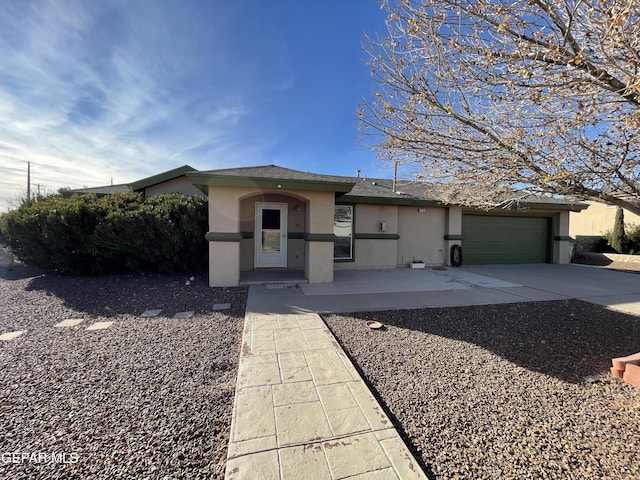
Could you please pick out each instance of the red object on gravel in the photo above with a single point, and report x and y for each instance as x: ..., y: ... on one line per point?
x: 627, y: 368
x: 632, y: 375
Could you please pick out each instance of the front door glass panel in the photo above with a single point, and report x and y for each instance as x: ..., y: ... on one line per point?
x: 270, y: 230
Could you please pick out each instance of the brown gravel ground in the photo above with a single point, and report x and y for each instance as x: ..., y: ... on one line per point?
x: 497, y: 392
x: 145, y: 398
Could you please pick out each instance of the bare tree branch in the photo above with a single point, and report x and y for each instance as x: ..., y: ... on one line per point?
x: 521, y: 96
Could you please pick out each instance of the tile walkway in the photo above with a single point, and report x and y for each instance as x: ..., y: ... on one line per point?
x: 302, y: 411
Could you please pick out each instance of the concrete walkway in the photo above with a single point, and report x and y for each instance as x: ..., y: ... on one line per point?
x: 301, y: 410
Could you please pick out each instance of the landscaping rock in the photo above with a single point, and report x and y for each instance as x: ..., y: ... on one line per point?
x: 145, y: 398
x: 477, y: 394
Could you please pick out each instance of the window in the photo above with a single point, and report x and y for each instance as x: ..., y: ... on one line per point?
x: 343, y: 230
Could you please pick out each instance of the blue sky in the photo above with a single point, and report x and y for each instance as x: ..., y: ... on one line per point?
x: 122, y: 89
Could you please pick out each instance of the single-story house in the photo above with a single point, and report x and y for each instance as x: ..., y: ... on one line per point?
x: 269, y: 217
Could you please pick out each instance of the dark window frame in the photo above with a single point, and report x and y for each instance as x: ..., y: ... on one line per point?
x: 352, y: 244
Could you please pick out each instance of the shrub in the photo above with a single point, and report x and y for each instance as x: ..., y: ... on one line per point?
x: 83, y: 234
x: 618, y: 235
x: 633, y: 238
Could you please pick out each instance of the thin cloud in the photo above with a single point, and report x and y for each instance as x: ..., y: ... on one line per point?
x: 94, y: 90
x: 85, y: 105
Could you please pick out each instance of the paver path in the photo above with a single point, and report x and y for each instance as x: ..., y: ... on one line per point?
x: 302, y: 411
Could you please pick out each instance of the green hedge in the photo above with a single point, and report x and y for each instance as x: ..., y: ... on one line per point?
x: 127, y: 232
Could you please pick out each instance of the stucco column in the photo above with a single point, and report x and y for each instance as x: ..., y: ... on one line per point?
x: 453, y: 232
x: 319, y: 265
x: 319, y: 237
x: 224, y: 264
x: 562, y: 246
x: 224, y: 237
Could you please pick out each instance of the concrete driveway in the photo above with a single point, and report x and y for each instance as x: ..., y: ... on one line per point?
x: 361, y: 290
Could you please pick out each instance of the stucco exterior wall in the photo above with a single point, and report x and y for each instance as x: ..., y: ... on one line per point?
x: 562, y: 247
x: 230, y: 215
x: 177, y: 185
x: 421, y: 235
x: 597, y: 219
x: 368, y: 217
x: 373, y: 253
x: 296, y: 213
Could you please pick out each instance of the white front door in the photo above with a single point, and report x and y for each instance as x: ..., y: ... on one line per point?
x: 271, y: 235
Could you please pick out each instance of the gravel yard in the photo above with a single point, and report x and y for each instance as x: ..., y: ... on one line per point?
x: 144, y: 398
x: 497, y: 392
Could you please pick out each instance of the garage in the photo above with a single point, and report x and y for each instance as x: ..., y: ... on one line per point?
x: 490, y: 239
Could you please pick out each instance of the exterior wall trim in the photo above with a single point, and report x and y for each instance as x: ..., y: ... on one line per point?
x: 377, y: 236
x: 199, y: 178
x: 223, y: 236
x: 319, y: 237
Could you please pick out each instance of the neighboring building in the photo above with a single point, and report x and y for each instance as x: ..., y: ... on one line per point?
x: 171, y: 181
x: 597, y: 219
x: 104, y: 190
x: 272, y: 217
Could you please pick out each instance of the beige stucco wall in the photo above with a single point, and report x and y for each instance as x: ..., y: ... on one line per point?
x: 562, y: 247
x: 177, y: 185
x: 368, y: 216
x: 597, y: 219
x: 371, y: 253
x: 230, y: 213
x: 296, y: 219
x: 453, y: 228
x: 224, y: 271
x: 422, y: 235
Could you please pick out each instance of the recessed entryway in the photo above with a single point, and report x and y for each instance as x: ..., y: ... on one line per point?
x: 271, y: 235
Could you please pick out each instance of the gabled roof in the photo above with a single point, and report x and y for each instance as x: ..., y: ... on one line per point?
x: 161, y: 177
x: 271, y: 176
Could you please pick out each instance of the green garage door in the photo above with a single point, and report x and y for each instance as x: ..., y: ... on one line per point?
x: 504, y: 239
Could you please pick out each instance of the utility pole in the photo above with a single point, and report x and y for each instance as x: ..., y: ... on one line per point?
x: 28, y: 181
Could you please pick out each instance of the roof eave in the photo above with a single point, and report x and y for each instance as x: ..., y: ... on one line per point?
x: 161, y: 177
x: 209, y: 179
x: 573, y: 207
x: 411, y: 202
